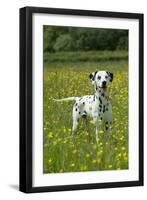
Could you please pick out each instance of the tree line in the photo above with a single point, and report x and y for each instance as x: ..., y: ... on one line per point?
x: 83, y: 39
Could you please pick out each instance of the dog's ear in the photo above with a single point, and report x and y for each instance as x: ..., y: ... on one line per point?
x: 110, y: 75
x: 92, y: 75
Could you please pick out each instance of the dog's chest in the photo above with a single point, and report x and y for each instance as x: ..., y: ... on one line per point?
x: 93, y: 105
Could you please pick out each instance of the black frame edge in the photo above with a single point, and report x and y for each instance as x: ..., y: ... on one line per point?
x: 26, y: 99
x: 22, y: 103
x: 141, y: 99
x: 85, y: 186
x: 25, y: 103
x: 83, y: 12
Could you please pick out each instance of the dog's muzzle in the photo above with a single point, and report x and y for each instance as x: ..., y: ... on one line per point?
x: 102, y: 89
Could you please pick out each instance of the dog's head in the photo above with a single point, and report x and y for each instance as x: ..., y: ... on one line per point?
x: 101, y: 80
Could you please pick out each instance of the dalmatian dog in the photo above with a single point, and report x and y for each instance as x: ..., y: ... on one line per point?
x: 95, y: 106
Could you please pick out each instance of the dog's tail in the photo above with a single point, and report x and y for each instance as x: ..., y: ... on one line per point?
x: 67, y: 99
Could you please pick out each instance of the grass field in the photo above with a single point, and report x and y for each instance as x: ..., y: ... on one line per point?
x: 67, y: 74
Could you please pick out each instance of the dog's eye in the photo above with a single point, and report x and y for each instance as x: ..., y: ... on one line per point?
x: 99, y: 77
x: 106, y: 77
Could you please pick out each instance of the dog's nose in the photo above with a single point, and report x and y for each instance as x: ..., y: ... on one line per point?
x: 104, y: 83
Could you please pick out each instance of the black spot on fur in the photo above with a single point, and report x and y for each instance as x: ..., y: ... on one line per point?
x: 107, y: 128
x: 99, y: 114
x: 110, y: 75
x: 100, y: 106
x: 79, y: 113
x: 100, y: 100
x: 104, y: 109
x: 94, y: 98
x: 80, y: 98
x: 85, y: 112
x: 76, y: 104
x: 100, y: 110
x: 101, y: 118
x: 83, y: 103
x: 106, y: 122
x: 99, y: 77
x: 76, y: 109
x: 84, y: 116
x: 103, y: 95
x: 92, y: 76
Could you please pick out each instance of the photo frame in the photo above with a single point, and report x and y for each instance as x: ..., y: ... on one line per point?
x: 33, y: 177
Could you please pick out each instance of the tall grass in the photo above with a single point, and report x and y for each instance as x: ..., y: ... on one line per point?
x: 83, y: 56
x: 61, y: 152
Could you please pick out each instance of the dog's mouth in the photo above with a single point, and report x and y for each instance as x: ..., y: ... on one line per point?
x: 102, y: 89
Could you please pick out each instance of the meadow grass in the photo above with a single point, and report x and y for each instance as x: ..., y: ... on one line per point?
x: 61, y: 152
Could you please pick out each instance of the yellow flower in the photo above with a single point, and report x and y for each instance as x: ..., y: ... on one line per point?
x: 123, y: 148
x: 125, y: 158
x: 96, y: 161
x: 94, y: 146
x: 124, y: 154
x: 122, y: 138
x: 84, y: 168
x: 50, y: 160
x: 50, y: 135
x: 74, y: 151
x: 119, y: 155
x: 101, y: 131
x: 61, y: 170
x: 109, y: 166
x: 87, y: 155
x: 59, y: 139
x: 91, y: 121
x: 100, y: 152
x: 55, y: 142
x: 72, y: 164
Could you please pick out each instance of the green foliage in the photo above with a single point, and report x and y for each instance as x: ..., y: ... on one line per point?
x: 64, y: 43
x: 122, y: 43
x: 83, y: 39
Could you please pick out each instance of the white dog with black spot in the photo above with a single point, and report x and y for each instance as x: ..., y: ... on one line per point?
x: 95, y: 106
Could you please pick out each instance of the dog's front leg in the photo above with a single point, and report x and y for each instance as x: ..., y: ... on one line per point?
x: 107, y: 128
x: 95, y: 119
x: 75, y: 125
